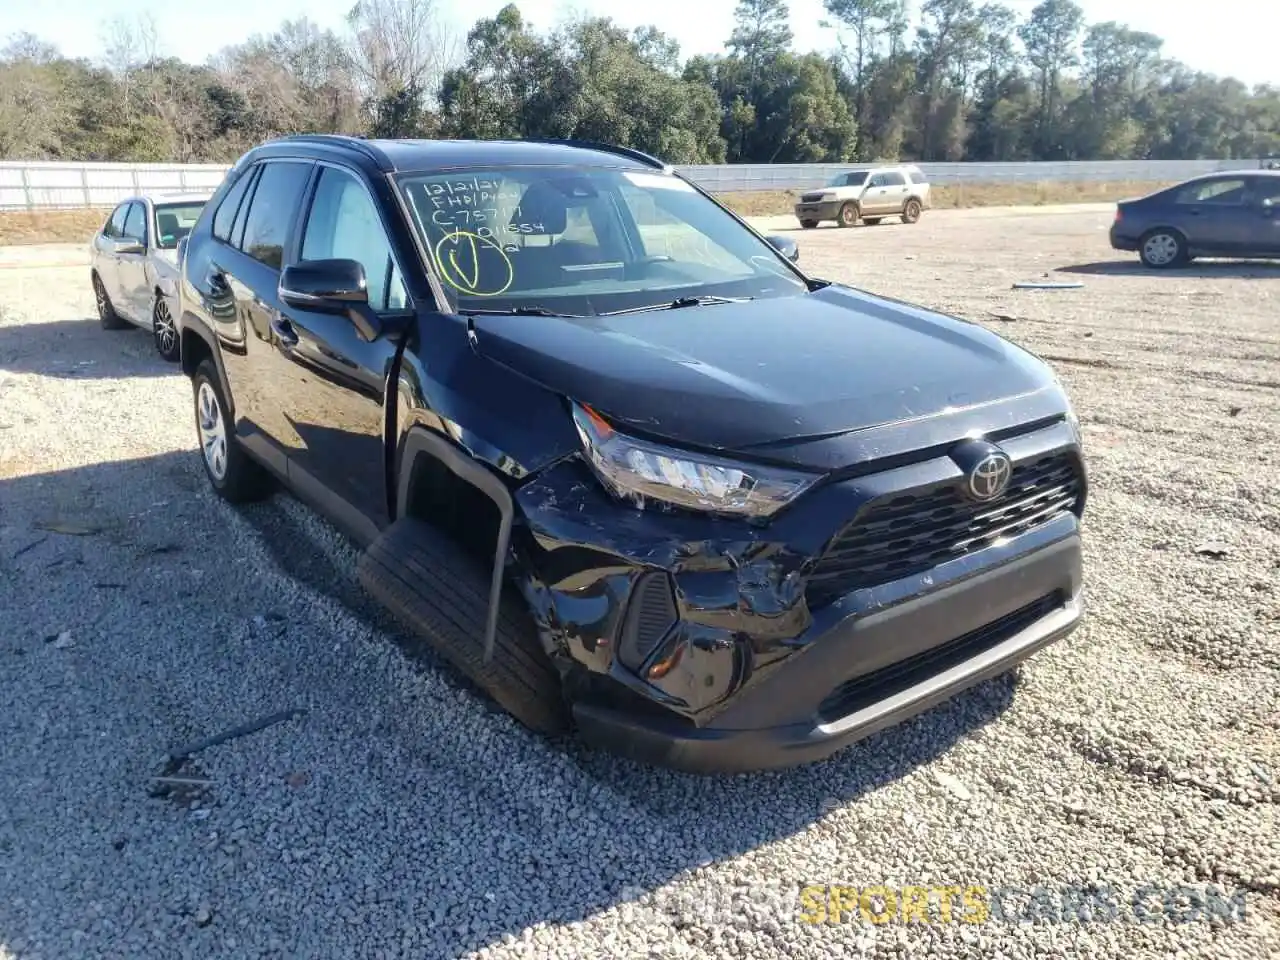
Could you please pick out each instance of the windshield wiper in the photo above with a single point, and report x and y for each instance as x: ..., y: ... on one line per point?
x: 677, y: 303
x: 515, y: 312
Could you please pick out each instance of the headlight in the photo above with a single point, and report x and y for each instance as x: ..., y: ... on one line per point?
x: 637, y: 470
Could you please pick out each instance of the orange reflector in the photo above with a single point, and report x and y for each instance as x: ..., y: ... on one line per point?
x: 602, y: 428
x: 663, y: 667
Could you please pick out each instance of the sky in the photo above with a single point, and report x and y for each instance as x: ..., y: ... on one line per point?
x: 1228, y: 37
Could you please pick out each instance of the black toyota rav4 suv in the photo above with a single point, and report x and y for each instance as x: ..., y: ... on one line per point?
x: 614, y: 455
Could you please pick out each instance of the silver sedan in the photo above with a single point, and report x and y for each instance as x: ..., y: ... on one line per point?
x: 134, y: 264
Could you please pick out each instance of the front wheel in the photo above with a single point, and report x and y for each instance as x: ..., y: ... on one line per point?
x: 164, y: 330
x: 911, y: 211
x: 233, y: 475
x: 1163, y: 248
x: 848, y: 215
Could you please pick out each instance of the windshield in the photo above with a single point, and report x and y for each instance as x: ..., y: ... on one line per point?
x: 848, y: 179
x: 585, y: 241
x: 174, y: 221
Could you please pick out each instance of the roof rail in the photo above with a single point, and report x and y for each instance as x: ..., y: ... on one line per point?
x: 645, y: 158
x: 357, y: 144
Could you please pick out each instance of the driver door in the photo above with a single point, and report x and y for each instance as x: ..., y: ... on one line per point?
x: 1264, y: 234
x: 336, y: 381
x: 873, y: 198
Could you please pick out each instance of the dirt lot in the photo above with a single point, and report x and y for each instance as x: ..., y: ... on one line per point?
x: 400, y: 817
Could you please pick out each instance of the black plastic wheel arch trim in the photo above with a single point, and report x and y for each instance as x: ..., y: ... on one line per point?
x: 421, y: 442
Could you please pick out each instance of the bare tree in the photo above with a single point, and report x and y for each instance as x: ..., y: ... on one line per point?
x: 401, y: 46
x: 130, y: 44
x: 28, y: 48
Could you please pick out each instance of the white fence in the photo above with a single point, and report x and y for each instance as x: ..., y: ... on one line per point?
x: 804, y: 176
x: 52, y: 186
x: 63, y: 186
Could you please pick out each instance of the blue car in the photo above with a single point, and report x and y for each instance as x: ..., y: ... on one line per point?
x: 1231, y: 214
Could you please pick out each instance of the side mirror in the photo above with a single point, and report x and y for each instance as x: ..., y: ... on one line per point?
x: 331, y: 286
x: 126, y: 245
x: 785, y: 246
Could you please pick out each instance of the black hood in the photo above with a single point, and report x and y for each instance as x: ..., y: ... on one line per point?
x: 735, y: 376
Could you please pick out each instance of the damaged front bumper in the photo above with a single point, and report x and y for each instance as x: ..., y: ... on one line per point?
x: 715, y: 646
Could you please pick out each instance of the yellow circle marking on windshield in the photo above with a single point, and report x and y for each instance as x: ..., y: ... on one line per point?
x: 457, y: 257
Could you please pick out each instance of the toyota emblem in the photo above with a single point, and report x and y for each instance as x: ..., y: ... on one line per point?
x: 989, y: 476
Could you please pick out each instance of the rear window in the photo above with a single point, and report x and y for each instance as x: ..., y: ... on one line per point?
x: 273, y: 210
x: 1225, y: 191
x: 230, y: 205
x: 916, y: 176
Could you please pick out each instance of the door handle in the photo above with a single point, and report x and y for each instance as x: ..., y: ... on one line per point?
x: 284, y: 331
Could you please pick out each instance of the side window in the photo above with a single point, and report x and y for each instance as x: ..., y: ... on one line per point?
x: 892, y: 180
x: 115, y: 225
x: 230, y: 206
x: 135, y: 223
x: 876, y: 181
x: 1213, y: 191
x: 343, y: 223
x: 237, y: 228
x: 1266, y: 188
x: 272, y: 211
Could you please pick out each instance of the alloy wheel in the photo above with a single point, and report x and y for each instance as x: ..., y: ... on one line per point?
x: 165, y: 331
x: 213, y: 431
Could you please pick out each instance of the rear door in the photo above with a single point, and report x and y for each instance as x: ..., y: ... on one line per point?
x: 245, y: 273
x: 894, y: 191
x: 131, y: 268
x: 1213, y: 215
x: 104, y: 254
x: 336, y: 381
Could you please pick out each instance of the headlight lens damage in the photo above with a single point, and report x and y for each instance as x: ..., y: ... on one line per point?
x: 637, y: 470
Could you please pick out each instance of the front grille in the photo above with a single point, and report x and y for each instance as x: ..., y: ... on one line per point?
x: 863, y: 691
x: 898, y: 536
x: 810, y: 197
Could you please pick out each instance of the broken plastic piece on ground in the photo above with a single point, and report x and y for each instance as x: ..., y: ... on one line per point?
x: 1048, y: 285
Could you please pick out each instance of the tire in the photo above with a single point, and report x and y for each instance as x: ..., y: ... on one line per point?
x: 107, y: 315
x: 848, y: 215
x: 911, y: 211
x: 1161, y: 249
x: 871, y: 221
x: 442, y: 594
x: 164, y: 331
x: 809, y: 224
x: 233, y: 474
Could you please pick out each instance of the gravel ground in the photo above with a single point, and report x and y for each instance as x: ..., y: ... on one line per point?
x: 400, y: 816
